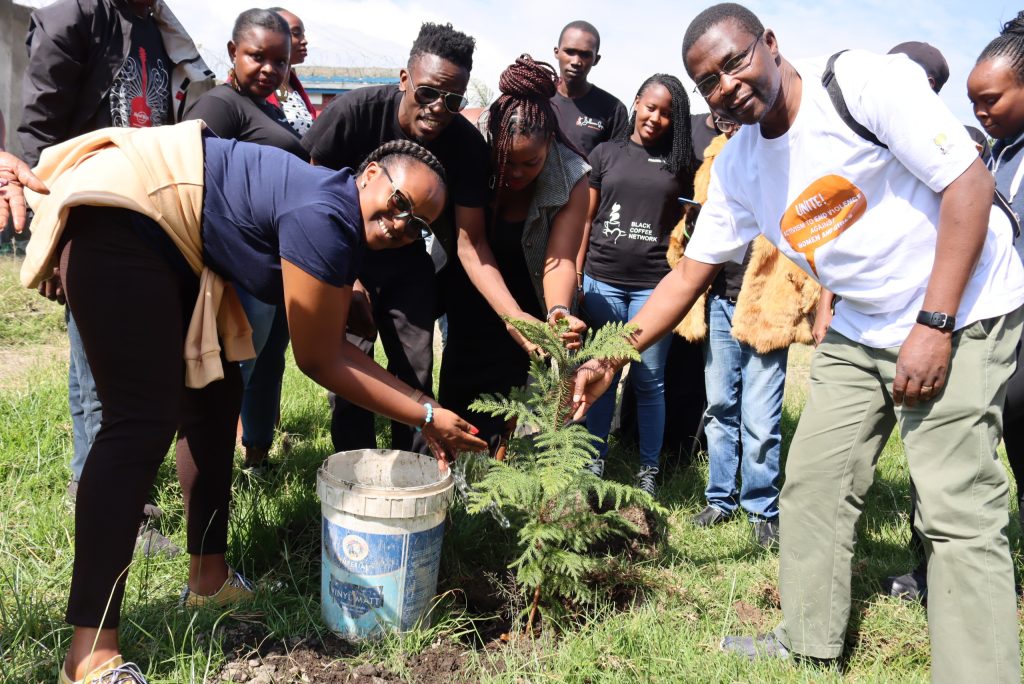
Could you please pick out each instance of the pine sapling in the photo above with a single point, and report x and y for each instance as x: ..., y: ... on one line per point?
x: 544, y: 484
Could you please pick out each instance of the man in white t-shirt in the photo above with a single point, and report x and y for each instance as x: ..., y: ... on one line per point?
x: 924, y: 337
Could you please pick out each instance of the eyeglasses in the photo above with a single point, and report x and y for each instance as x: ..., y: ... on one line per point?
x: 400, y: 207
x: 708, y: 85
x: 428, y: 95
x: 725, y: 126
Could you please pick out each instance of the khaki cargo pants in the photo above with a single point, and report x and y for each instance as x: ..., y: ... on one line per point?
x: 962, y: 487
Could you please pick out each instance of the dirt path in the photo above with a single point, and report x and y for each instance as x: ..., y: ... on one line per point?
x: 18, y: 363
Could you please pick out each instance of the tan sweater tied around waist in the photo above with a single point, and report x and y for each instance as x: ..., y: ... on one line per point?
x: 157, y: 172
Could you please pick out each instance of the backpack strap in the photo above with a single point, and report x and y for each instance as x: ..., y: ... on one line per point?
x: 828, y: 79
x: 1000, y: 201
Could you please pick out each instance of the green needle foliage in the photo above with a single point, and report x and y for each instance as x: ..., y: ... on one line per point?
x: 543, y: 485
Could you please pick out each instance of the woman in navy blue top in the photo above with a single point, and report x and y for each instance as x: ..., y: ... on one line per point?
x: 288, y: 233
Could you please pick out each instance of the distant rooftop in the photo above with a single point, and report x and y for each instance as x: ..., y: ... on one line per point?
x: 332, y: 79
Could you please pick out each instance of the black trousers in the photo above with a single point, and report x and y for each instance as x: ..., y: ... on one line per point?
x: 131, y: 302
x: 403, y: 290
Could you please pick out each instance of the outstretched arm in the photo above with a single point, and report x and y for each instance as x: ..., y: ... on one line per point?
x: 481, y: 267
x: 317, y: 314
x: 560, y: 261
x: 670, y: 301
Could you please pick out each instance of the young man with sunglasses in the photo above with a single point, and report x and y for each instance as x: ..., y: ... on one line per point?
x: 924, y: 336
x: 401, y: 285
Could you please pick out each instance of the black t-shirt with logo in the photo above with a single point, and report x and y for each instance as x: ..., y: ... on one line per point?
x: 356, y: 123
x: 140, y: 96
x: 638, y: 210
x: 592, y: 119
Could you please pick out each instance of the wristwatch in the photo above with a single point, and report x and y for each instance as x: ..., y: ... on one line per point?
x: 939, y: 321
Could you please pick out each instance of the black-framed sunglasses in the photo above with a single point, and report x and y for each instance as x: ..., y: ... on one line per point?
x: 725, y: 125
x: 709, y: 84
x: 400, y: 207
x: 428, y: 95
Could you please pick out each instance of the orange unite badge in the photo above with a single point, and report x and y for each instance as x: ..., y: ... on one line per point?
x: 821, y: 213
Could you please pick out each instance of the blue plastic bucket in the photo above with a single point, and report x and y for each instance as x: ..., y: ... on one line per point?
x: 383, y: 523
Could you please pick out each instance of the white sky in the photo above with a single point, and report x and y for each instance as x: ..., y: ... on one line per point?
x: 637, y: 40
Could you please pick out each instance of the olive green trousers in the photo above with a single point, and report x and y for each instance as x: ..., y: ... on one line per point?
x: 961, y: 490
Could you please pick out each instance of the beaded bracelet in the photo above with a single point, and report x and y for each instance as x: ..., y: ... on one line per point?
x: 556, y: 308
x: 430, y: 416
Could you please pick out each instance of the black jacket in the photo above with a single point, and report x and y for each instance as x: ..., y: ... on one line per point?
x: 76, y: 48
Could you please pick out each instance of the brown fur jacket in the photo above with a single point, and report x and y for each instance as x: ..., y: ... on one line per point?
x: 777, y: 300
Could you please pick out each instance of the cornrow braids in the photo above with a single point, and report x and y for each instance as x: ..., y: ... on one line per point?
x: 715, y: 15
x: 404, y: 150
x: 523, y: 108
x: 1009, y: 44
x: 443, y: 41
x: 259, y: 18
x: 680, y: 158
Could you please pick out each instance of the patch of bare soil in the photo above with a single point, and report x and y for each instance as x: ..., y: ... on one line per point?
x: 749, y: 615
x: 256, y: 659
x: 18, y: 363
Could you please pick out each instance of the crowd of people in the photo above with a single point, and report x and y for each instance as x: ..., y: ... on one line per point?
x: 196, y: 229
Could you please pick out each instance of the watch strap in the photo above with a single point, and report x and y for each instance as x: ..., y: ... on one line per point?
x: 937, y: 320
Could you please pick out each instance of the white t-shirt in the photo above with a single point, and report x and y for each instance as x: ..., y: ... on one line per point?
x: 859, y: 218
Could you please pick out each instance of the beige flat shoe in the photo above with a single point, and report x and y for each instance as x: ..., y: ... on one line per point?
x: 236, y: 589
x: 114, y: 671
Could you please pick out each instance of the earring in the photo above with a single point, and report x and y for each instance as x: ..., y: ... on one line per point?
x: 363, y: 186
x: 491, y: 183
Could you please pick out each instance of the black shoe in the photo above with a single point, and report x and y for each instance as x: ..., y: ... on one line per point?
x: 645, y: 480
x: 766, y: 532
x: 710, y: 517
x: 912, y: 586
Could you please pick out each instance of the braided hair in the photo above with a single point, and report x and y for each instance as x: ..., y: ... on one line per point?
x: 402, y: 151
x: 715, y: 15
x: 523, y: 108
x: 259, y: 18
x: 680, y: 158
x: 442, y: 40
x: 1009, y: 44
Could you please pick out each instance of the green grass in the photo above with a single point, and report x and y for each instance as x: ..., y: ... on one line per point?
x: 702, y: 584
x: 26, y: 318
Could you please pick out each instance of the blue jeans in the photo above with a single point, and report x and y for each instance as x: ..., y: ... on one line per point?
x: 603, y: 303
x: 261, y: 377
x: 84, y: 402
x: 743, y: 418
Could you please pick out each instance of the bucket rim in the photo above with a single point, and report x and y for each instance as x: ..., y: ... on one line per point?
x: 328, y: 477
